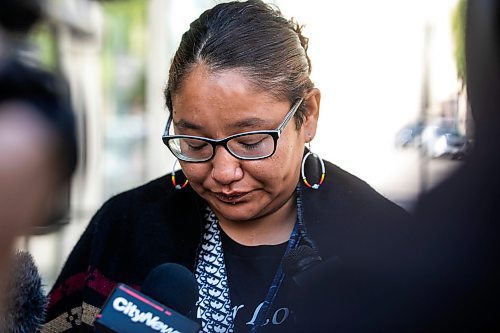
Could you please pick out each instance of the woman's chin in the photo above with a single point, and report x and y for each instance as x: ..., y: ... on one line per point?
x: 236, y: 212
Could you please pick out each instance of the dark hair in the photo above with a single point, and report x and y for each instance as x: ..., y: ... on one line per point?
x: 252, y: 37
x: 18, y: 16
x: 49, y: 96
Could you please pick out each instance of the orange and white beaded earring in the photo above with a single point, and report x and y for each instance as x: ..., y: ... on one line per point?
x: 177, y: 186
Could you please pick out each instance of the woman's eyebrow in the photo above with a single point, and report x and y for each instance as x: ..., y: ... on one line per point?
x: 183, y: 124
x: 242, y: 124
x: 249, y: 123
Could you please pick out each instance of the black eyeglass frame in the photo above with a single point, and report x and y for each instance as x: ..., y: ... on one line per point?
x: 275, y: 134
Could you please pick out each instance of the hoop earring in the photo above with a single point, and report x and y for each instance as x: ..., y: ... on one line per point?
x: 302, y: 171
x: 177, y: 186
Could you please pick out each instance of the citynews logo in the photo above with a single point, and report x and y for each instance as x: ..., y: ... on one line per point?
x: 128, y: 308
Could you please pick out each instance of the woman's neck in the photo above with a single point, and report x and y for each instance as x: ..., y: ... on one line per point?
x: 271, y: 229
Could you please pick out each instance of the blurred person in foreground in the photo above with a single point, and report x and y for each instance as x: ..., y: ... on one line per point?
x: 242, y: 109
x: 37, y: 152
x: 37, y: 157
x: 459, y: 221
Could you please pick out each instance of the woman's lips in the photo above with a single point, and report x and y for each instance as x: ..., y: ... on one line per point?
x: 232, y: 198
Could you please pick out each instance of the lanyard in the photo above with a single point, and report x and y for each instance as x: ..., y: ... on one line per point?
x: 298, y: 233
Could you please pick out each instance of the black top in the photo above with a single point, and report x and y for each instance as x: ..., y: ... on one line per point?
x: 250, y: 271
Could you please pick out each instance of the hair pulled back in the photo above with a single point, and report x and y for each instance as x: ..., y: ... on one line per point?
x: 252, y: 37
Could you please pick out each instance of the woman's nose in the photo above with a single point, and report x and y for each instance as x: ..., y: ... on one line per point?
x: 225, y: 167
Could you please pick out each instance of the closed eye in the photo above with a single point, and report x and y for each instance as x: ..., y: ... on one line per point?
x: 251, y: 144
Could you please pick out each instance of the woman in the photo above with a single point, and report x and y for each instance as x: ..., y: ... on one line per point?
x: 242, y: 109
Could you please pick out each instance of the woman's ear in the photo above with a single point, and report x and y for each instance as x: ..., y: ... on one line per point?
x: 311, y: 114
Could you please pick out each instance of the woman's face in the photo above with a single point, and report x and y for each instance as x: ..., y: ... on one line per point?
x: 217, y: 105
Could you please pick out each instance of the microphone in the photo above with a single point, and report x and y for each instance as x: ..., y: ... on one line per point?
x: 174, y: 286
x: 298, y: 261
x: 25, y: 301
x: 167, y: 287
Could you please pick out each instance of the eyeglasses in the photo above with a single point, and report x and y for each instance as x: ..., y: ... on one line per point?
x: 254, y: 145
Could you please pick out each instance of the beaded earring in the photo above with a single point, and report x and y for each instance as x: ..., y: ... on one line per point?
x: 177, y: 186
x: 302, y: 171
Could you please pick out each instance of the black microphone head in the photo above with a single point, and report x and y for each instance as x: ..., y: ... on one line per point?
x: 300, y: 259
x: 25, y: 301
x: 172, y: 285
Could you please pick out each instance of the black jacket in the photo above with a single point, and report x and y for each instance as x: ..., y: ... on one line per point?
x: 142, y: 228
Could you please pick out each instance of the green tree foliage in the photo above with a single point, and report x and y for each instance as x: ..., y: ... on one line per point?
x: 458, y: 31
x: 125, y: 38
x: 43, y: 37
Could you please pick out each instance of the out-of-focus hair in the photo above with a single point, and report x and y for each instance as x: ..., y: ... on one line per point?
x: 49, y: 96
x: 19, y: 16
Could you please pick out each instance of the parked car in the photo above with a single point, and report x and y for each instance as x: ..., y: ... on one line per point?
x: 409, y: 135
x: 441, y: 138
